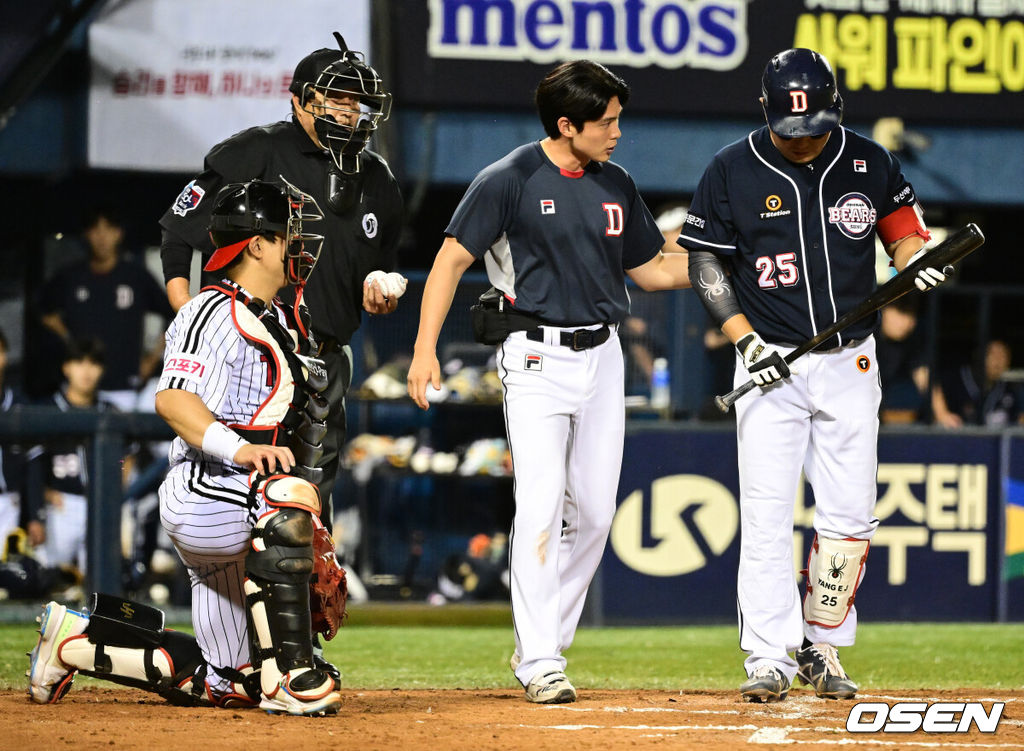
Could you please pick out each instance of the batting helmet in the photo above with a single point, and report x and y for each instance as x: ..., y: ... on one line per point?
x: 244, y: 210
x: 799, y: 94
x: 336, y: 75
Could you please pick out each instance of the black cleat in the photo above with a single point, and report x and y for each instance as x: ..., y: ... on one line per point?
x: 819, y: 667
x: 765, y: 684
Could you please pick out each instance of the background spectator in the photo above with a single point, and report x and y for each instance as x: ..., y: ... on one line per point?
x: 106, y: 297
x: 902, y: 364
x: 59, y: 470
x: 11, y: 460
x: 976, y: 394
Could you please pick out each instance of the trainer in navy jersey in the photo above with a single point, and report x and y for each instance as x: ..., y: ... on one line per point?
x: 781, y: 234
x: 559, y: 227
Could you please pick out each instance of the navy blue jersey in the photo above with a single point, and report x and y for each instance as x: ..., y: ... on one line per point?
x: 112, y: 307
x: 67, y: 460
x: 556, y: 242
x: 799, y: 240
x: 12, y: 457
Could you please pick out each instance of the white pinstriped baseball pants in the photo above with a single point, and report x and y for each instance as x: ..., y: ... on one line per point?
x: 565, y: 417
x: 822, y: 420
x: 207, y: 519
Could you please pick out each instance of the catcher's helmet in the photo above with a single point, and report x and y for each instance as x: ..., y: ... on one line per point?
x: 799, y: 93
x: 245, y: 210
x: 334, y: 74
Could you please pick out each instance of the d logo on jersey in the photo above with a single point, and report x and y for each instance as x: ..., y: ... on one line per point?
x: 189, y: 199
x: 854, y: 215
x: 614, y: 213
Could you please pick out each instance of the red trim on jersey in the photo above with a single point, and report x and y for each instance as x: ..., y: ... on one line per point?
x: 901, y: 223
x: 223, y: 256
x: 569, y: 173
x: 277, y: 364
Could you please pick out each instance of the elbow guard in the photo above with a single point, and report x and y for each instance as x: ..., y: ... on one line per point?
x: 708, y: 277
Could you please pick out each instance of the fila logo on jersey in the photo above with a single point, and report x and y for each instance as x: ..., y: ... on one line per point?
x: 854, y: 215
x: 547, y: 206
x: 370, y: 225
x: 859, y: 165
x: 614, y: 214
x: 534, y: 362
x: 774, y: 205
x: 189, y: 199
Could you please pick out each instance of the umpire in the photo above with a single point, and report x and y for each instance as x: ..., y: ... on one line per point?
x: 337, y: 102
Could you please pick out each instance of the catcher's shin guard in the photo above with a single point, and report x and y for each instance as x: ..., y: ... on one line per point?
x: 125, y: 642
x: 278, y: 568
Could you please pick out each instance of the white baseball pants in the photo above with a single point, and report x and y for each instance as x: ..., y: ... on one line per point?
x: 207, y: 518
x: 565, y: 417
x: 822, y: 420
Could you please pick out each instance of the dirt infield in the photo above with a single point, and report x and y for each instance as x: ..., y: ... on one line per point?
x: 99, y: 718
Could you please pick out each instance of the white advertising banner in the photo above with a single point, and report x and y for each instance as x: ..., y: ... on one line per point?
x: 171, y: 78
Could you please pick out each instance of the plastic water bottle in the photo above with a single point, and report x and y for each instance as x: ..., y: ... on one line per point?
x: 661, y: 395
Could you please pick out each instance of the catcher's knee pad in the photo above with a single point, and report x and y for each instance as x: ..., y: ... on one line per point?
x: 278, y: 568
x: 285, y: 491
x: 126, y: 643
x: 833, y: 574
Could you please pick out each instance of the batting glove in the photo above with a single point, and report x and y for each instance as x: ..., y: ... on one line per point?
x: 763, y: 361
x: 392, y: 284
x: 929, y: 277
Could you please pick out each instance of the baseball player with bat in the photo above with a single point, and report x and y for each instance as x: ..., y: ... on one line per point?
x: 242, y: 392
x: 781, y: 234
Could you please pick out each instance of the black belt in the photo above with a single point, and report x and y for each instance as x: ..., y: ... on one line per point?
x: 575, y: 340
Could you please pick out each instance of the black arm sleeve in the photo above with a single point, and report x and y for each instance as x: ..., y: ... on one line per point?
x: 175, y: 255
x: 708, y: 277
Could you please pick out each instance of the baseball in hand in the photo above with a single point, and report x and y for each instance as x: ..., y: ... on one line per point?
x: 392, y: 284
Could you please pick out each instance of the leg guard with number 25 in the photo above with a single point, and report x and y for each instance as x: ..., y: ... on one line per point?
x: 834, y: 570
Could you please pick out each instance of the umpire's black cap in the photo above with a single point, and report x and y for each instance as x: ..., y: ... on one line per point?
x: 799, y: 93
x: 310, y: 67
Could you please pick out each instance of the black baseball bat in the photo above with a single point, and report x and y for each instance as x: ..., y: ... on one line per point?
x: 951, y: 250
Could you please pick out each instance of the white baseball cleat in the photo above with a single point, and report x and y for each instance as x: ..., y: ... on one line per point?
x: 303, y: 691
x: 550, y: 688
x: 514, y: 661
x: 49, y: 678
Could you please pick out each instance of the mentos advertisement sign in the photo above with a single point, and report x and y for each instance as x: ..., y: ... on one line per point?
x: 933, y: 59
x: 639, y: 33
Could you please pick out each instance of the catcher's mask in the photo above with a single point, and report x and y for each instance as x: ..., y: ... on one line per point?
x: 346, y: 98
x: 244, y: 210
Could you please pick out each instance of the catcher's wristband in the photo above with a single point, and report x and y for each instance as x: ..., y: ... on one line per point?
x: 221, y: 441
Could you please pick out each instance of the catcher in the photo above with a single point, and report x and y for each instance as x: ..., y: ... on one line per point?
x: 244, y: 397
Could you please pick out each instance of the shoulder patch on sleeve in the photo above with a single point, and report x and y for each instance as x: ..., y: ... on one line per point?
x: 189, y: 198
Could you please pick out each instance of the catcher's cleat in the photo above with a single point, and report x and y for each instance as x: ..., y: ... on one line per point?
x: 765, y: 684
x: 321, y: 664
x: 550, y: 688
x: 819, y: 667
x: 49, y: 678
x: 303, y: 691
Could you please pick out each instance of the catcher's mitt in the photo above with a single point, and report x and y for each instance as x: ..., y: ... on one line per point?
x: 328, y: 587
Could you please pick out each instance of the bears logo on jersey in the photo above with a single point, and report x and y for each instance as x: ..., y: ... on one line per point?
x: 854, y: 215
x: 190, y: 197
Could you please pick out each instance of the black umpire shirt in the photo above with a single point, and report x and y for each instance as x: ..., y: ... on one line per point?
x: 361, y: 240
